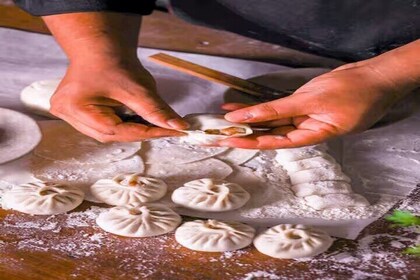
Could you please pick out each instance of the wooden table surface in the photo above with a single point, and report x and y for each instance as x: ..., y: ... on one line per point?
x: 71, y: 246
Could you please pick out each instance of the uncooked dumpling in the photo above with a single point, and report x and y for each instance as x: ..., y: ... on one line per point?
x: 321, y: 188
x: 128, y: 188
x: 318, y: 174
x: 42, y: 198
x: 206, y: 129
x: 139, y: 220
x: 287, y: 241
x: 338, y: 200
x: 210, y: 195
x: 63, y: 143
x: 214, y: 236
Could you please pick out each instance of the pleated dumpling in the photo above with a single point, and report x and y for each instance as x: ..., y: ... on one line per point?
x: 207, y: 129
x: 42, y: 198
x: 128, y: 188
x: 287, y: 241
x: 214, y: 236
x: 139, y: 220
x: 210, y: 195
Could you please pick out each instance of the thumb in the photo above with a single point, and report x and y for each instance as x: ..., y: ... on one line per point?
x: 286, y: 107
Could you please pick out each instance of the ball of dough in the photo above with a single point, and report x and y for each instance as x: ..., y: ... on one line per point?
x: 318, y: 174
x: 336, y: 200
x: 287, y: 241
x: 321, y: 188
x: 139, y: 220
x: 128, y: 188
x: 207, y: 129
x: 294, y: 154
x: 324, y: 161
x: 210, y: 195
x: 43, y: 198
x: 214, y: 236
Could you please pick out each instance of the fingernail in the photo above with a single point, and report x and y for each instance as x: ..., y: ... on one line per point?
x: 235, y: 117
x: 178, y: 124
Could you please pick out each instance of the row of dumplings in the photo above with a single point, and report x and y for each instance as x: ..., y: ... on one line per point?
x: 136, y: 215
x: 318, y: 179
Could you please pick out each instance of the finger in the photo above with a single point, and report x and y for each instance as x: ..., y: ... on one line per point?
x: 278, y: 109
x: 153, y: 109
x: 100, y: 118
x: 275, y: 123
x: 234, y: 106
x: 124, y: 132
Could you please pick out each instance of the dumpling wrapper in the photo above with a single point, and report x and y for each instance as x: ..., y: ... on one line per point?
x: 42, y: 198
x: 214, y: 236
x: 83, y: 175
x: 174, y: 151
x: 61, y: 142
x: 177, y: 175
x: 207, y: 129
x: 288, y: 241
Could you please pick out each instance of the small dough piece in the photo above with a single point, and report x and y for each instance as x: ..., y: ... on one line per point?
x: 128, y: 188
x: 294, y: 154
x: 210, y: 195
x: 36, y: 97
x: 214, y: 236
x: 324, y: 161
x: 338, y: 200
x: 237, y: 156
x: 63, y: 143
x: 287, y: 241
x: 206, y: 129
x: 42, y: 198
x: 139, y: 220
x: 178, y: 174
x: 318, y: 174
x: 321, y: 188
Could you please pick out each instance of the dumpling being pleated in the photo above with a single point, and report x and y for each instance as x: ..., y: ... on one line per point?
x: 210, y: 195
x: 42, y: 198
x: 287, y: 241
x: 207, y: 129
x: 128, y: 188
x: 139, y: 220
x: 214, y: 236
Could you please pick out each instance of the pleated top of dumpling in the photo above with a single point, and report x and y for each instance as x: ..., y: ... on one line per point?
x: 210, y: 195
x: 210, y: 128
x: 214, y: 236
x: 129, y: 188
x: 43, y: 198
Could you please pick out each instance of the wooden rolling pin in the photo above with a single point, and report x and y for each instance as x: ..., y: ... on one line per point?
x: 253, y: 89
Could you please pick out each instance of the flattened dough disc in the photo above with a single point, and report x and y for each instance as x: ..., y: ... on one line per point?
x: 19, y: 134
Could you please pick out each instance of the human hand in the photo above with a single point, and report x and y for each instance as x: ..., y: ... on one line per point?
x: 349, y: 99
x: 88, y: 94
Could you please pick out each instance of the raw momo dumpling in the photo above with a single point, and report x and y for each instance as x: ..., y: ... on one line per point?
x: 207, y: 129
x: 214, y: 236
x: 139, y: 220
x: 318, y: 174
x: 338, y: 200
x: 324, y: 161
x: 42, y: 198
x: 292, y: 241
x: 128, y: 188
x: 210, y: 195
x: 321, y: 188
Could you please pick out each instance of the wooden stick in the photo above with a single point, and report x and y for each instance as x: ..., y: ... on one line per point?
x: 217, y: 76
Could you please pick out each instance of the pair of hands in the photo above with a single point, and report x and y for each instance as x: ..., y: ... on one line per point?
x: 349, y: 99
